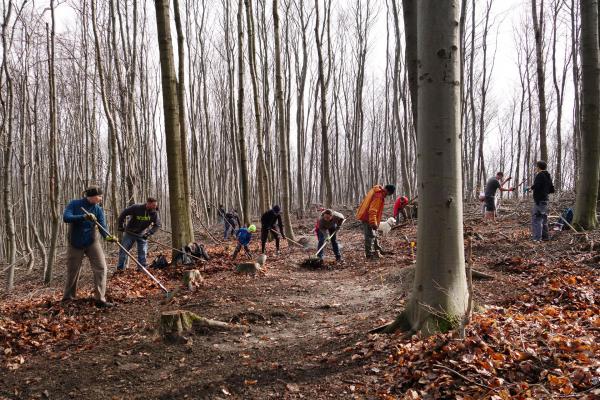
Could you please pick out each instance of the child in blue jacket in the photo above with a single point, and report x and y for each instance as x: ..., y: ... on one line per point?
x: 244, y: 235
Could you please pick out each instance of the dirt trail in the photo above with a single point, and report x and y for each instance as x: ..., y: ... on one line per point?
x: 301, y: 323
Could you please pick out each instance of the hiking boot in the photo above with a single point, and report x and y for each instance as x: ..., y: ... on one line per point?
x: 67, y: 300
x: 103, y: 304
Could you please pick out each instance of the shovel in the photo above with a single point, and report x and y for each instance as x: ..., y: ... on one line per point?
x: 328, y: 239
x: 168, y: 294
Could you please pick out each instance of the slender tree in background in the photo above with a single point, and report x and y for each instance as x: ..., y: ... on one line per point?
x: 538, y: 30
x: 283, y: 139
x: 181, y: 102
x: 439, y: 297
x: 245, y: 183
x: 587, y: 186
x: 54, y: 172
x: 327, y: 193
x: 263, y: 179
x: 7, y: 131
x: 182, y: 231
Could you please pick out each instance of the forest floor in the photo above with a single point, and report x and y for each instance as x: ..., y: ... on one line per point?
x: 535, y: 332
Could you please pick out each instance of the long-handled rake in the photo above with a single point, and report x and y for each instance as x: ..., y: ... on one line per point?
x: 143, y: 268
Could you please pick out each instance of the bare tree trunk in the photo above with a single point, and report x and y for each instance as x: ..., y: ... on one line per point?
x: 181, y: 101
x: 410, y: 11
x: 326, y: 167
x: 439, y: 297
x: 182, y: 231
x: 7, y: 129
x: 283, y: 139
x: 263, y: 179
x: 587, y: 187
x: 54, y: 171
x: 240, y: 110
x: 538, y: 28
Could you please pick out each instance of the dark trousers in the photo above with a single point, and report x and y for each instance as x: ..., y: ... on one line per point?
x: 264, y: 236
x: 322, y: 235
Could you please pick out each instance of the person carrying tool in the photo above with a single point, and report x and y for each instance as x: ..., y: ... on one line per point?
x: 400, y: 208
x: 232, y: 220
x: 542, y: 187
x: 492, y: 185
x: 138, y: 229
x: 83, y: 241
x: 328, y: 224
x: 369, y: 212
x: 267, y: 225
x: 244, y: 235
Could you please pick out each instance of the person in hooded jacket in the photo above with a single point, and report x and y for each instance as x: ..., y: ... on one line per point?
x: 542, y: 187
x: 83, y: 241
x: 369, y: 213
x: 267, y: 225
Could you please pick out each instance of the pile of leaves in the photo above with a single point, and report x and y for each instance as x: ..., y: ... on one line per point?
x: 541, y: 344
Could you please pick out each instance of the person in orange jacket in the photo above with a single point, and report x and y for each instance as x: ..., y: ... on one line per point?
x: 369, y: 213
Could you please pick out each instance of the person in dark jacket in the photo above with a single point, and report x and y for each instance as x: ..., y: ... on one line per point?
x: 542, y: 187
x: 267, y: 223
x: 144, y: 221
x: 83, y: 241
x: 329, y: 222
x: 232, y: 220
x: 244, y: 235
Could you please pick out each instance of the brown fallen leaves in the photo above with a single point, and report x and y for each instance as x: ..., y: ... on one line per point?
x: 544, y: 343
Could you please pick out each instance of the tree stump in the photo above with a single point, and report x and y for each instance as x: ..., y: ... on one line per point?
x: 248, y: 268
x: 173, y: 324
x: 192, y: 278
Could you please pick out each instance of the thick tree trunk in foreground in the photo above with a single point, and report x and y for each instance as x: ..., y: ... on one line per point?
x: 587, y: 187
x: 409, y: 11
x: 182, y: 232
x: 439, y: 297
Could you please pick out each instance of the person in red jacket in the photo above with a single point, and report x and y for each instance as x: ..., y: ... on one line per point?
x: 399, y: 208
x: 369, y: 213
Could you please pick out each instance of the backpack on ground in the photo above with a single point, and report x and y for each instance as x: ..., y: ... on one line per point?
x: 183, y: 257
x: 566, y: 216
x: 160, y: 262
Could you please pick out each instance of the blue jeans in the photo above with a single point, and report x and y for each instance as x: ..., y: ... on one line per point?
x: 322, y: 235
x: 539, y: 221
x: 127, y: 242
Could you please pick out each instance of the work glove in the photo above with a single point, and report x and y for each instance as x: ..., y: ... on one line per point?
x: 374, y: 227
x: 512, y: 189
x: 526, y: 190
x: 146, y: 235
x: 111, y: 238
x: 90, y: 217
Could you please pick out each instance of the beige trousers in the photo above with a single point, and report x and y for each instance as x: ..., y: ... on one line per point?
x: 95, y: 254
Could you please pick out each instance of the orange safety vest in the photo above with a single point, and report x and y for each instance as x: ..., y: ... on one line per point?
x: 371, y: 208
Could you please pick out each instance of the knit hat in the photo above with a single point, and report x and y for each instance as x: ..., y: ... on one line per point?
x: 404, y: 200
x: 276, y: 209
x: 92, y: 191
x: 391, y: 189
x: 252, y: 228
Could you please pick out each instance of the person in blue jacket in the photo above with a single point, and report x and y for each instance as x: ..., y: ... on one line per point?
x: 244, y: 235
x: 84, y: 241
